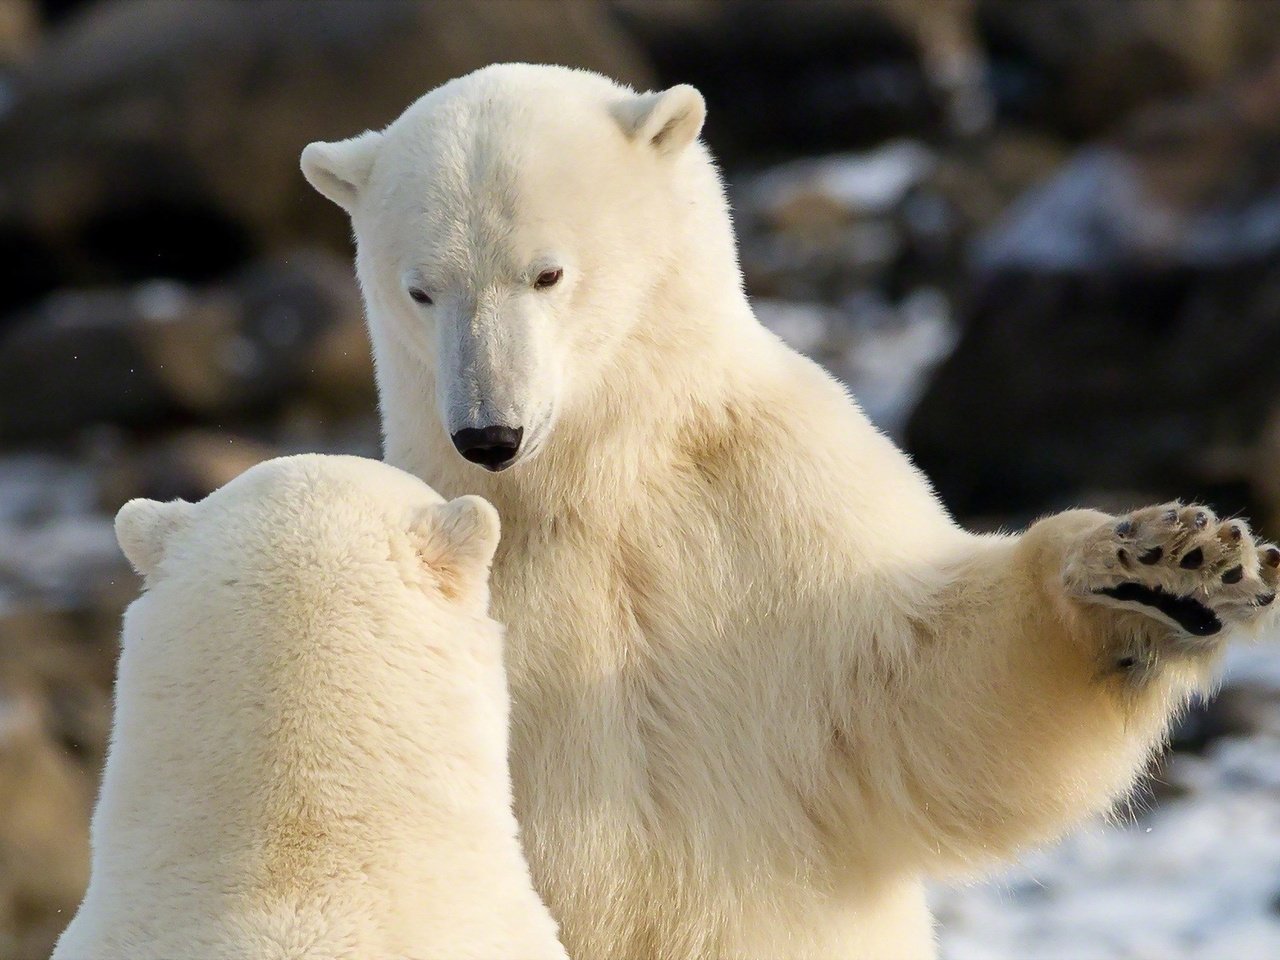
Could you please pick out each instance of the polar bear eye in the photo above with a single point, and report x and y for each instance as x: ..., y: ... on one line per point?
x: 548, y: 278
x: 418, y: 295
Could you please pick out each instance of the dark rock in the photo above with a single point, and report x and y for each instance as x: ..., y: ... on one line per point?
x: 1122, y: 320
x: 56, y: 669
x: 1078, y: 68
x: 163, y: 351
x: 44, y: 848
x: 19, y: 33
x: 1075, y: 67
x: 783, y: 79
x: 1239, y: 709
x: 187, y: 465
x: 1068, y: 380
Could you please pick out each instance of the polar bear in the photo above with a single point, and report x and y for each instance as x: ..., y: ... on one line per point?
x: 309, y: 756
x: 763, y: 684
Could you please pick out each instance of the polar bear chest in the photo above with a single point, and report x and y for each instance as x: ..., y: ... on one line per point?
x: 656, y: 737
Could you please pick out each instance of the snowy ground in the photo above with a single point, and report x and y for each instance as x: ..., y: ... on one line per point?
x: 1197, y: 878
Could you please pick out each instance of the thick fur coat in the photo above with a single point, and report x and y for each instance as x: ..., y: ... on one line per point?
x: 309, y: 756
x: 763, y: 685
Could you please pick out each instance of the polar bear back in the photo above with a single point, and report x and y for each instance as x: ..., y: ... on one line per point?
x: 309, y: 750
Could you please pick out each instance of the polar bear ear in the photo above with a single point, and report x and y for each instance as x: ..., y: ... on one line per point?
x: 471, y: 527
x: 458, y: 539
x: 668, y: 121
x: 341, y: 170
x: 143, y: 527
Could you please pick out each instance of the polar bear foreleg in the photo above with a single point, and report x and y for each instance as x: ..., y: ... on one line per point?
x: 1047, y: 669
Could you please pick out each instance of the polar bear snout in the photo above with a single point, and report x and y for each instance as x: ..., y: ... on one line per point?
x: 493, y: 447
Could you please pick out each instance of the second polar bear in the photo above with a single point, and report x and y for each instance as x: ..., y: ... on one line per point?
x: 763, y: 685
x: 309, y: 756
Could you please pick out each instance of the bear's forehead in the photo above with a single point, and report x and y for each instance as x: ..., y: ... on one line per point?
x: 494, y: 151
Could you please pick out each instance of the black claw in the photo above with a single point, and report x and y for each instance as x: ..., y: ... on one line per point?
x: 1170, y: 516
x: 1201, y: 519
x: 1234, y: 575
x: 1264, y: 599
x: 1236, y: 532
x: 1192, y: 560
x: 1152, y: 556
x: 1124, y: 528
x: 1272, y: 557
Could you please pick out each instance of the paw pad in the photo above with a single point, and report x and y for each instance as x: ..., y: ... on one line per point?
x: 1194, y: 572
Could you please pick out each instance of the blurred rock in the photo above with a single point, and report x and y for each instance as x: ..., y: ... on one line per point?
x: 1239, y: 709
x: 1122, y: 320
x: 126, y: 154
x: 1264, y: 472
x: 783, y: 79
x: 338, y: 374
x: 187, y: 465
x: 65, y: 656
x: 61, y: 557
x: 842, y: 187
x: 1104, y: 212
x: 38, y: 487
x: 1077, y: 68
x: 19, y: 34
x: 1134, y: 378
x: 836, y: 227
x: 954, y: 58
x: 163, y: 350
x: 44, y: 849
x: 980, y: 182
x: 815, y: 77
x: 56, y: 668
x: 53, y: 545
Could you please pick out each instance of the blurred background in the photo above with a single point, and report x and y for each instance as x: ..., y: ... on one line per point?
x: 1039, y: 239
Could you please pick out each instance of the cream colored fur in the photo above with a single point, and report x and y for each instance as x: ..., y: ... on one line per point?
x: 309, y: 753
x: 763, y: 685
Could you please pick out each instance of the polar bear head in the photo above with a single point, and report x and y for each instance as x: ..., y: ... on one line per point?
x: 514, y: 227
x: 285, y: 532
x: 314, y: 604
x: 288, y: 519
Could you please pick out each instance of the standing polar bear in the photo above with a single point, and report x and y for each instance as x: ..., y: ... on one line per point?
x: 309, y: 757
x: 763, y: 685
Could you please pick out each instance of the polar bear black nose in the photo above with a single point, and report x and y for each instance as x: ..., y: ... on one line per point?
x: 492, y: 447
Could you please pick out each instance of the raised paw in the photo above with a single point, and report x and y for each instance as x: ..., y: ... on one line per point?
x: 1178, y: 564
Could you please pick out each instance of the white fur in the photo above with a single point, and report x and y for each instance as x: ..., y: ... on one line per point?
x: 309, y: 751
x: 763, y: 684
